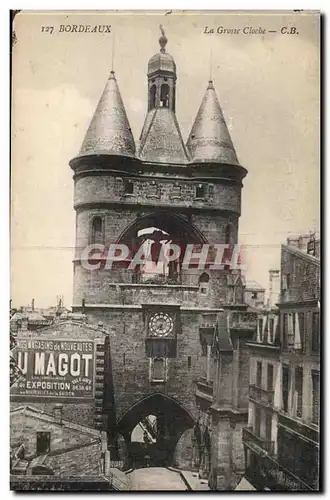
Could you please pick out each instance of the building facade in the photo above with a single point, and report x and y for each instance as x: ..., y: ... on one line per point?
x: 50, y: 452
x: 282, y: 439
x: 255, y: 295
x: 169, y: 323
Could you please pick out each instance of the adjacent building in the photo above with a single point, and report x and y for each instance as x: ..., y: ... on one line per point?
x: 282, y: 439
x: 255, y: 294
x: 49, y: 452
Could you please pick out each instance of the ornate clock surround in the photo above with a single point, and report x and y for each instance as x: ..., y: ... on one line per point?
x: 161, y: 325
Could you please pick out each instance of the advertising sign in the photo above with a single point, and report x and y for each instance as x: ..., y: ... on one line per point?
x: 55, y: 368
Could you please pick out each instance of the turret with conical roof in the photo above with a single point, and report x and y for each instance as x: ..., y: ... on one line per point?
x: 209, y: 140
x: 109, y: 132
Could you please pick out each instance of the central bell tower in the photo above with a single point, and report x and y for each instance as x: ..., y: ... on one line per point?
x: 161, y: 78
x: 168, y: 323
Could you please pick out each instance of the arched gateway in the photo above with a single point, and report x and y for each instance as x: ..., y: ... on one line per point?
x: 159, y: 435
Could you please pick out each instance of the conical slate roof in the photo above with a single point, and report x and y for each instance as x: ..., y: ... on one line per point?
x: 161, y: 139
x: 209, y: 140
x: 109, y: 132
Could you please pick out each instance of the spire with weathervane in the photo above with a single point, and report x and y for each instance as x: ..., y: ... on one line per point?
x: 161, y: 139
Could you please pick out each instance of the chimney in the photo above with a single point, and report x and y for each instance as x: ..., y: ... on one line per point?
x: 274, y: 287
x: 83, y: 306
x: 32, y: 304
x: 58, y: 410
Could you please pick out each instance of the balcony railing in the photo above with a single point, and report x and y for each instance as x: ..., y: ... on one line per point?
x: 205, y: 386
x: 252, y: 440
x: 244, y: 320
x: 264, y: 396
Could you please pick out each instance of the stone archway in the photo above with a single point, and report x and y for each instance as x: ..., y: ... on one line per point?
x: 174, y: 224
x: 171, y: 421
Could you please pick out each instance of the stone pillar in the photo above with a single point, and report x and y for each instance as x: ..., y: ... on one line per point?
x: 307, y: 393
x: 235, y: 373
x: 278, y: 387
x: 223, y: 457
x: 208, y: 362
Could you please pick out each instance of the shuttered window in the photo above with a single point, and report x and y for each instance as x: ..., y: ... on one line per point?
x: 285, y: 387
x: 316, y: 332
x: 270, y: 377
x: 257, y: 421
x: 259, y: 374
x: 301, y: 319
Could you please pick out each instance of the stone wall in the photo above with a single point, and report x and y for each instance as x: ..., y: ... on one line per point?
x: 304, y: 276
x: 23, y: 429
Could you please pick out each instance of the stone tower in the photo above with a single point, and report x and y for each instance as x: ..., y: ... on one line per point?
x: 167, y: 322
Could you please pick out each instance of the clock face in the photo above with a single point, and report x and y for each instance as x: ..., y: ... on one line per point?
x: 161, y: 324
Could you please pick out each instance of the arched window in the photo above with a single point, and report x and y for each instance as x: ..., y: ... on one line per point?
x: 164, y: 95
x: 97, y: 230
x: 204, y: 283
x: 152, y: 96
x: 204, y: 278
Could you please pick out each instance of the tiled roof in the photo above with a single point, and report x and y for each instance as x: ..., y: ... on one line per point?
x: 109, y: 132
x: 162, y: 61
x: 254, y: 285
x: 161, y: 139
x: 209, y: 140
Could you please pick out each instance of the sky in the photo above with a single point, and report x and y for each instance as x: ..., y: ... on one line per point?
x: 268, y: 88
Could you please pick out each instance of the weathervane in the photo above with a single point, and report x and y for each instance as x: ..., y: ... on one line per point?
x: 162, y: 40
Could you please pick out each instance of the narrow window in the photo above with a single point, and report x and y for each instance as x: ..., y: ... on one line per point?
x: 228, y: 235
x: 294, y: 322
x: 268, y: 426
x: 164, y: 95
x: 270, y: 377
x: 97, y: 230
x: 301, y: 319
x: 128, y: 187
x: 259, y: 374
x: 152, y: 96
x: 271, y: 329
x: 43, y: 443
x: 260, y: 324
x: 189, y: 362
x: 316, y: 332
x: 291, y: 329
x: 200, y: 191
x: 257, y: 421
x: 299, y: 390
x: 285, y: 387
x: 316, y: 397
x: 285, y: 329
x: 124, y: 359
x: 288, y: 281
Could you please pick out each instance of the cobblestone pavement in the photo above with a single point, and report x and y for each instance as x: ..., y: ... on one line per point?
x: 157, y: 479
